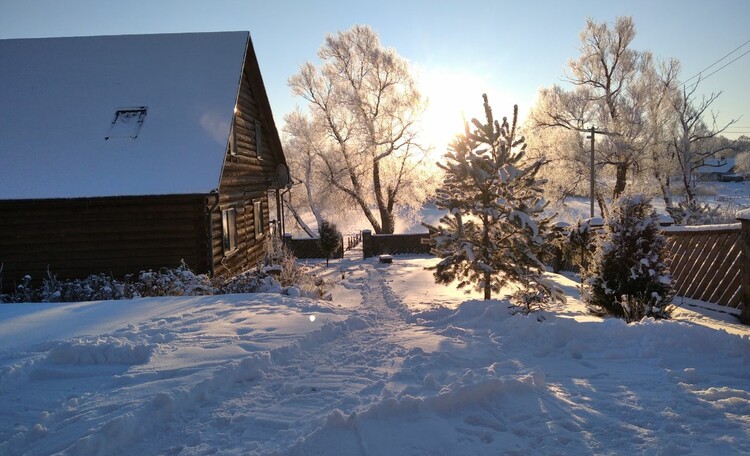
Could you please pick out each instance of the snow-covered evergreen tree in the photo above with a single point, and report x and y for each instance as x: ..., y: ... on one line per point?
x: 330, y: 239
x: 495, y: 227
x: 628, y: 276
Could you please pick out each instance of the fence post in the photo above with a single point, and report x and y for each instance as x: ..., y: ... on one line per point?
x: 340, y: 250
x: 366, y: 244
x: 744, y: 218
x: 288, y: 241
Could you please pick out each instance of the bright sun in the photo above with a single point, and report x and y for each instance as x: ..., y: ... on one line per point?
x: 453, y: 95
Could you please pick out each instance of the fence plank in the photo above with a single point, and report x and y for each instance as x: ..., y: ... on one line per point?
x: 721, y: 268
x: 702, y: 268
x: 706, y: 265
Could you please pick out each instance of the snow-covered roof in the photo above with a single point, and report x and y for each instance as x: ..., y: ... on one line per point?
x: 116, y: 115
x: 744, y: 214
x: 716, y: 165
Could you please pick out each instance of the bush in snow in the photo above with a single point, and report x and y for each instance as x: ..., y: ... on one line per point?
x: 98, y: 287
x: 628, y: 276
x: 93, y: 288
x: 266, y: 280
x: 180, y: 281
x: 495, y: 228
x: 24, y: 292
x: 288, y: 278
x: 280, y: 272
x: 329, y: 240
x: 698, y: 213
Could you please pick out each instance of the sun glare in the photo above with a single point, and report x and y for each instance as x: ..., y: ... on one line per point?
x: 453, y: 95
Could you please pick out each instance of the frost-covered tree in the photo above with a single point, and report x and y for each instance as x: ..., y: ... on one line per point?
x: 364, y: 105
x: 692, y: 140
x: 742, y: 163
x: 628, y: 276
x: 614, y: 88
x: 329, y: 239
x: 495, y: 225
x: 310, y: 193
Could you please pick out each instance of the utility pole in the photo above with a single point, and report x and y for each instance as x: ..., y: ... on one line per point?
x: 591, y: 176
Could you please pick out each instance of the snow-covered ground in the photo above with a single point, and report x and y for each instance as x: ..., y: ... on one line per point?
x: 393, y: 365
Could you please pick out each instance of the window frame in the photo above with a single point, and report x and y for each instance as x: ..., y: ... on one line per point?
x: 229, y: 241
x: 258, y: 219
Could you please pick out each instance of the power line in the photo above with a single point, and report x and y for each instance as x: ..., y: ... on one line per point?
x: 715, y: 71
x: 716, y: 62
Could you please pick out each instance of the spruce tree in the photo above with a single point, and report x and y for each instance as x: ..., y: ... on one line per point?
x: 495, y: 226
x: 628, y: 276
x: 329, y: 240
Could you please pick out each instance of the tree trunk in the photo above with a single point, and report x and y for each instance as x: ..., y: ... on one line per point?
x: 386, y: 217
x: 486, y: 246
x: 370, y: 217
x: 487, y: 286
x: 389, y: 222
x: 666, y: 193
x: 603, y: 210
x: 689, y: 193
x: 298, y: 218
x: 621, y: 180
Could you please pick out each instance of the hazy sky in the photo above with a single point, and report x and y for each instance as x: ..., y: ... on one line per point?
x: 458, y: 49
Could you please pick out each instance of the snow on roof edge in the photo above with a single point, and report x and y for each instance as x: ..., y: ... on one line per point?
x: 701, y: 228
x: 744, y: 214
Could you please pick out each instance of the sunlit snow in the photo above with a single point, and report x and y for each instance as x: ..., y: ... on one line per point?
x: 394, y: 364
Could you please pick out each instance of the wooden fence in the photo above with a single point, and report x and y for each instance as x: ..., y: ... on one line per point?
x: 707, y: 263
x: 308, y: 248
x: 392, y: 244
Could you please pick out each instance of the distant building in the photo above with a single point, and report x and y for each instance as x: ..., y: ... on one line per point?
x: 717, y: 169
x: 124, y: 153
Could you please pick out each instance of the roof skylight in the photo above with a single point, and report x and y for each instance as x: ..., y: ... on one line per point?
x: 127, y: 122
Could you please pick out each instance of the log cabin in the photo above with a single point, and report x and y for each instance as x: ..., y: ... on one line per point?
x: 134, y: 152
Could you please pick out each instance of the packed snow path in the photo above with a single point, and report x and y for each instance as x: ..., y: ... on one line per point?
x: 380, y: 370
x: 343, y: 366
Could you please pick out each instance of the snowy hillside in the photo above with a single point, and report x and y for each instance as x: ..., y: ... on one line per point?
x: 393, y: 365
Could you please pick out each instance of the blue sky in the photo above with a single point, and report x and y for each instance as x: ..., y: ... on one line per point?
x: 458, y: 49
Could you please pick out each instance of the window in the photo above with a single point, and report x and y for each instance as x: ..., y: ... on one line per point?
x: 229, y: 230
x: 127, y: 123
x: 258, y: 137
x: 258, y: 218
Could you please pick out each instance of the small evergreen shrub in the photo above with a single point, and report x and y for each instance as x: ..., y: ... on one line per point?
x: 496, y: 227
x: 628, y: 276
x: 330, y: 239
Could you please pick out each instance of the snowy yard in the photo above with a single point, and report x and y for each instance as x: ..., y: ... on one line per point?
x: 393, y: 365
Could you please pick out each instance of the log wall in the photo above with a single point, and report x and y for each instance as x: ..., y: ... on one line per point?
x: 74, y: 238
x: 246, y: 178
